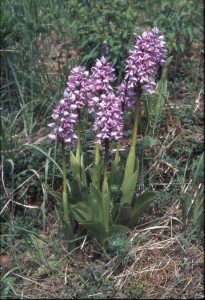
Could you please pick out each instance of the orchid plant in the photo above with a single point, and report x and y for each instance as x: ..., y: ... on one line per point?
x: 104, y: 201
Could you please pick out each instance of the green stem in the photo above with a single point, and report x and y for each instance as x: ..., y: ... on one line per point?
x: 106, y: 158
x: 65, y: 195
x: 117, y: 154
x: 105, y: 190
x: 68, y: 231
x: 136, y: 118
x: 97, y: 153
x: 78, y: 142
x: 96, y: 170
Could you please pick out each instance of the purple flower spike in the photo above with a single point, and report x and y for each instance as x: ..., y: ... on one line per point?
x: 102, y: 74
x: 64, y: 119
x: 101, y: 99
x: 65, y: 114
x: 76, y: 83
x: 109, y: 118
x: 142, y: 64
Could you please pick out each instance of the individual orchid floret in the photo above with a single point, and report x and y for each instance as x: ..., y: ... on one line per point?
x: 102, y: 75
x: 142, y: 64
x: 76, y: 83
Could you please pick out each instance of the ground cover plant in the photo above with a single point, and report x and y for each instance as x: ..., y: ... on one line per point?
x: 136, y: 216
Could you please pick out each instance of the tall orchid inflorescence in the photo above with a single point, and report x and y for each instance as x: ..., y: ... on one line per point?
x: 102, y: 101
x: 142, y: 64
x: 65, y: 114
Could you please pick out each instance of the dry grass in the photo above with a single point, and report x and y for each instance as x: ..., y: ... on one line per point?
x: 160, y: 264
x: 165, y: 265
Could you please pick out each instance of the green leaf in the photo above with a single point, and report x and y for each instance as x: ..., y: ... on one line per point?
x: 139, y: 205
x: 75, y: 167
x: 185, y: 202
x: 115, y: 194
x: 198, y: 169
x: 115, y: 210
x: 190, y: 34
x: 115, y: 175
x: 97, y: 230
x: 96, y: 174
x: 81, y: 212
x: 79, y: 192
x: 105, y: 203
x: 128, y: 187
x: 124, y: 214
x: 130, y: 164
x: 83, y: 174
x: 96, y: 203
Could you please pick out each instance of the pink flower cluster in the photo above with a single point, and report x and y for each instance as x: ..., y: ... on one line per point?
x: 64, y: 118
x: 109, y: 118
x: 76, y: 84
x: 64, y: 115
x: 102, y: 74
x: 102, y: 100
x: 141, y: 65
x: 96, y: 92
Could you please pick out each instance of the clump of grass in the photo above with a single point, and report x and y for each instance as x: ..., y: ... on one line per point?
x: 118, y: 244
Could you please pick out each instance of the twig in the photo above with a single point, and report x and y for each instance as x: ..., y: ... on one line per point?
x: 29, y: 280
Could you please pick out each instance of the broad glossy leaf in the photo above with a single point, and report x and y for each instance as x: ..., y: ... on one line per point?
x: 139, y: 205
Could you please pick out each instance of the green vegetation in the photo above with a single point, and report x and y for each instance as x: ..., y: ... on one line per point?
x: 162, y: 256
